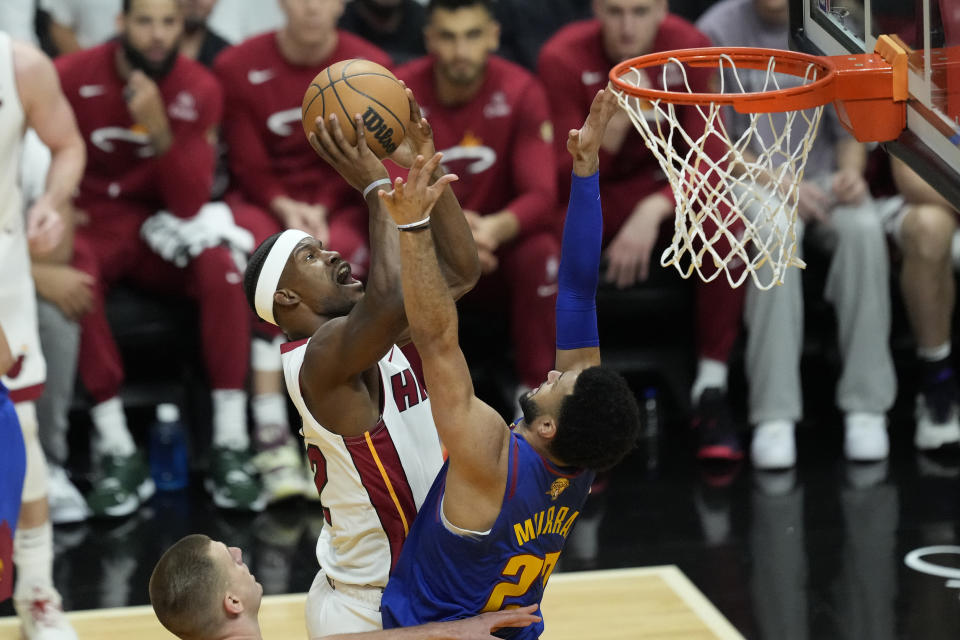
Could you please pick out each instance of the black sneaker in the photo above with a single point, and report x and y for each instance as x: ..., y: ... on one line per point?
x: 937, y: 414
x: 716, y: 436
x: 940, y: 391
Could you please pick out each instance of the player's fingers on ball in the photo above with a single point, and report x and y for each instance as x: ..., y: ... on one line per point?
x: 361, y: 137
x: 329, y: 146
x: 338, y: 137
x: 315, y: 143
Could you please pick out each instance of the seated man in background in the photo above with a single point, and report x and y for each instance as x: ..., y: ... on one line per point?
x: 201, y: 589
x: 277, y: 184
x: 396, y: 26
x: 200, y: 42
x: 837, y: 211
x: 925, y: 232
x: 148, y: 117
x: 81, y: 24
x: 639, y: 202
x: 490, y: 120
x: 495, y: 522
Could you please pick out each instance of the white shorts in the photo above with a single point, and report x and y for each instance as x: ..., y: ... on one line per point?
x: 341, y: 608
x: 18, y: 312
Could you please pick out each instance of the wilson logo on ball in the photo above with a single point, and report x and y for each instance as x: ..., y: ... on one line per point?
x: 383, y: 134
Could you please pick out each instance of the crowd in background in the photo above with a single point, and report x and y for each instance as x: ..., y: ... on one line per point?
x: 192, y: 164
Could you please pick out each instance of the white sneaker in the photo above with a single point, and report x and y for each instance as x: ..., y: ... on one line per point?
x: 67, y: 504
x: 773, y: 445
x: 41, y: 615
x: 281, y: 472
x: 865, y: 437
x: 931, y: 434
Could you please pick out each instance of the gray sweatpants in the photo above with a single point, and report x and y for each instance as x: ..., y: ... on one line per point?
x: 60, y: 341
x: 858, y: 287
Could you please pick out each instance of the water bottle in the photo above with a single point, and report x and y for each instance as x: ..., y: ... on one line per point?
x: 651, y: 427
x: 168, y: 449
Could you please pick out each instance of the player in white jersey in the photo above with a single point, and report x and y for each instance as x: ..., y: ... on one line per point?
x: 366, y: 418
x: 30, y: 96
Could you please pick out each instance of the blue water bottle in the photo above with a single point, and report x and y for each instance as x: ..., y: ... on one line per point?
x: 168, y: 449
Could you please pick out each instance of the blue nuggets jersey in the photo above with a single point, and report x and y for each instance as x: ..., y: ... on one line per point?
x: 445, y: 576
x: 13, y: 466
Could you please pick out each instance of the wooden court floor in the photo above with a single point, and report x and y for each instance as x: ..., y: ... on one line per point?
x: 619, y: 604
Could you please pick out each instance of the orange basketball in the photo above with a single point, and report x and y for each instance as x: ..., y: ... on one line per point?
x: 364, y: 87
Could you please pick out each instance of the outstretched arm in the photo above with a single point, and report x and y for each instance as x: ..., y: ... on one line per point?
x: 456, y: 249
x: 356, y: 341
x: 578, y: 342
x: 479, y: 627
x: 476, y: 437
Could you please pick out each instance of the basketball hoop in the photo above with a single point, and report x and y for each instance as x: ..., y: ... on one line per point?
x: 716, y: 179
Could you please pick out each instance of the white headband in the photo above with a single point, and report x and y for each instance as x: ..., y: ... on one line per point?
x: 272, y: 268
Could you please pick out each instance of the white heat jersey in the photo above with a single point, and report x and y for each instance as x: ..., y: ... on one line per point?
x: 371, y: 486
x: 12, y: 126
x: 18, y: 305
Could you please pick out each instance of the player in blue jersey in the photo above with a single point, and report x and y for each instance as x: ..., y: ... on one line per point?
x: 13, y: 468
x: 495, y: 521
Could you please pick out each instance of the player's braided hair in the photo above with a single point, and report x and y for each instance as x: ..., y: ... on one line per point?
x: 254, y: 267
x: 453, y: 5
x: 599, y: 422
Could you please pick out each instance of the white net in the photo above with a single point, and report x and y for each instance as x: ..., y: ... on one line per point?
x: 736, y: 197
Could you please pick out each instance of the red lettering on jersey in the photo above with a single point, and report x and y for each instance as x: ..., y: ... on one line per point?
x: 319, y: 466
x: 405, y: 390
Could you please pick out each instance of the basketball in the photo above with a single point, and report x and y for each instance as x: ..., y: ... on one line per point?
x: 359, y: 86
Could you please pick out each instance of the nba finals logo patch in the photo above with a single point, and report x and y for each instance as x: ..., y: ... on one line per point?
x: 6, y: 561
x: 559, y: 486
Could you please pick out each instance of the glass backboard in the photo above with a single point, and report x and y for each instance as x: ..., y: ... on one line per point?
x: 931, y: 31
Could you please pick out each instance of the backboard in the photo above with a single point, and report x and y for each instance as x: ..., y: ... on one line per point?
x: 931, y: 29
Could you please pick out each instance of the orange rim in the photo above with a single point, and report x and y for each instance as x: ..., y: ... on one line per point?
x: 816, y: 93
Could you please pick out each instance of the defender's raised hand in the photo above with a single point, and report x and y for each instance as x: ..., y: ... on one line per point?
x: 584, y: 143
x: 358, y: 165
x: 410, y: 202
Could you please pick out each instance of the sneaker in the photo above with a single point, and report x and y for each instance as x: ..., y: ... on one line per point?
x: 232, y: 481
x: 281, y: 472
x: 67, y: 504
x: 41, y: 614
x: 717, y: 438
x: 123, y: 485
x: 938, y: 419
x: 865, y: 437
x: 773, y: 445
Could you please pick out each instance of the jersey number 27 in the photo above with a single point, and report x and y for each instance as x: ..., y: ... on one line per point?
x: 525, y: 568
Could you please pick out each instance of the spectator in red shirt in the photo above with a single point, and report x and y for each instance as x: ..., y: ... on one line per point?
x: 148, y: 117
x: 278, y: 183
x: 490, y: 118
x: 638, y: 201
